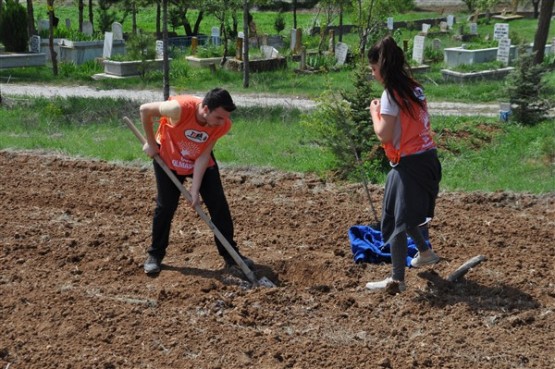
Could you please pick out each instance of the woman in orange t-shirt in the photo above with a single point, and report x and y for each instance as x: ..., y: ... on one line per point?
x: 189, y: 127
x: 401, y: 122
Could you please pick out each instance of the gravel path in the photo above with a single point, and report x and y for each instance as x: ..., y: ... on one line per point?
x: 436, y: 108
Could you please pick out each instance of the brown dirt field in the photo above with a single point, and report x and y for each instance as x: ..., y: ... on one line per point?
x: 74, y: 295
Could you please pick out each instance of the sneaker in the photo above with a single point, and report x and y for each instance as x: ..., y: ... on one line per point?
x: 152, y: 265
x: 231, y: 263
x: 389, y: 285
x: 427, y: 258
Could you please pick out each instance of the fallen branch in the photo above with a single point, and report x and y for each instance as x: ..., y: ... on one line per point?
x: 463, y: 269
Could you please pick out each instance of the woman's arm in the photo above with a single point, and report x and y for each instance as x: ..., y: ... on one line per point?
x: 384, y: 125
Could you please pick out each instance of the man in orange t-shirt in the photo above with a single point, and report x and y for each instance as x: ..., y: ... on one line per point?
x: 189, y: 127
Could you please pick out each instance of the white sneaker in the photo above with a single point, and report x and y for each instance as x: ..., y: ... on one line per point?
x: 429, y: 257
x: 388, y: 284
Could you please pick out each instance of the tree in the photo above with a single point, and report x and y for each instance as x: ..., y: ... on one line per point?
x: 53, y: 54
x: 13, y: 27
x: 543, y: 30
x: 31, y: 30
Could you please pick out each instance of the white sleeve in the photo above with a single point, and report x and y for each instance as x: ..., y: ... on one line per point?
x: 388, y: 106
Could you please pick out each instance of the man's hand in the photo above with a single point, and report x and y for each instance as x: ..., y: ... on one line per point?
x: 151, y: 151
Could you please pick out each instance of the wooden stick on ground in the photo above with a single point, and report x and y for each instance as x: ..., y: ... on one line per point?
x: 463, y: 269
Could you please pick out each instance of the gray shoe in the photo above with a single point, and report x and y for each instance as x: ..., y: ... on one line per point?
x: 427, y: 259
x: 152, y: 265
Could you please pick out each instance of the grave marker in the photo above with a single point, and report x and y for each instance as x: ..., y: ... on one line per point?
x: 117, y: 30
x: 450, y: 21
x: 43, y: 25
x: 108, y: 43
x: 426, y: 28
x: 68, y: 23
x: 215, y: 35
x: 341, y: 50
x: 269, y: 52
x: 443, y: 27
x: 159, y: 49
x: 504, y: 50
x: 390, y: 23
x: 418, y: 49
x: 87, y: 28
x: 436, y: 44
x: 473, y: 28
x: 34, y: 44
x: 500, y: 31
x: 292, y: 44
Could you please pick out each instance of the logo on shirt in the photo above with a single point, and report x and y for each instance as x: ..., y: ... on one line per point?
x: 196, y: 136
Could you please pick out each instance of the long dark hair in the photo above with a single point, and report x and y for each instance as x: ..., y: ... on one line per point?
x: 396, y: 73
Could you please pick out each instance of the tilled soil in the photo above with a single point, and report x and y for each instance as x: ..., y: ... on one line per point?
x: 74, y: 295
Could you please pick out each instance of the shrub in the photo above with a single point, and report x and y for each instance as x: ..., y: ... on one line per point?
x: 13, y: 27
x: 342, y: 123
x: 527, y: 90
x: 279, y: 23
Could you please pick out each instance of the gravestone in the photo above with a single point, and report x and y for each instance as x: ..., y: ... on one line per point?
x: 341, y: 50
x: 269, y: 52
x: 159, y: 49
x: 331, y: 43
x: 34, y: 44
x: 553, y: 46
x: 473, y: 28
x: 418, y: 49
x: 43, y: 25
x: 500, y: 31
x: 390, y: 23
x: 108, y: 43
x: 117, y: 30
x: 436, y: 44
x: 215, y: 36
x: 87, y: 28
x: 426, y: 28
x: 293, y: 45
x: 504, y: 50
x: 68, y: 23
x: 443, y: 27
x: 450, y: 21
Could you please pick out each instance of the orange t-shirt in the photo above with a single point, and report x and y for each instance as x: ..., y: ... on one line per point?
x: 183, y: 142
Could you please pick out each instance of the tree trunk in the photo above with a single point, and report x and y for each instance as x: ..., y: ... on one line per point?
x: 340, y: 23
x: 165, y: 49
x: 536, y: 4
x: 91, y: 15
x: 543, y: 30
x: 246, y: 43
x: 294, y: 14
x: 30, y: 18
x: 158, y: 22
x: 134, y: 19
x: 53, y: 54
x: 81, y: 7
x: 196, y: 28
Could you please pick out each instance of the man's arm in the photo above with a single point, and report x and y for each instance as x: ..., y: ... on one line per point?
x: 148, y: 112
x: 201, y: 163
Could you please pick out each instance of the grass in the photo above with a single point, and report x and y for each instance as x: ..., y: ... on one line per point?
x: 477, y: 153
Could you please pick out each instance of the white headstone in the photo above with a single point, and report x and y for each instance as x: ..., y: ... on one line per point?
x: 504, y: 50
x: 553, y: 46
x: 436, y: 44
x: 474, y: 28
x: 117, y: 30
x: 426, y: 27
x: 241, y: 35
x: 293, y: 39
x: 43, y: 25
x: 269, y: 52
x: 341, y: 49
x: 87, y: 28
x: 159, y: 49
x: 390, y: 23
x: 500, y: 31
x: 215, y: 35
x: 418, y: 49
x: 68, y: 23
x: 450, y: 20
x: 443, y: 27
x: 108, y: 43
x: 34, y: 44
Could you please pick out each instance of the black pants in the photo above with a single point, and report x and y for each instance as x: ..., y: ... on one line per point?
x: 212, y: 193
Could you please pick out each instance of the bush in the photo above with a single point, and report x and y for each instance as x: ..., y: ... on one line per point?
x: 527, y: 90
x: 279, y: 23
x: 343, y: 124
x: 13, y: 27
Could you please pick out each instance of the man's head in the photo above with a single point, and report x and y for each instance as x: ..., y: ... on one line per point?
x: 216, y: 107
x: 218, y: 97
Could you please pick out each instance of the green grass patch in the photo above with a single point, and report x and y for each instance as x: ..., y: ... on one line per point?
x: 477, y: 153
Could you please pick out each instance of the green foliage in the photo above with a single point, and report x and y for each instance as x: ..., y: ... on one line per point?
x: 279, y: 23
x: 342, y: 124
x: 13, y: 27
x: 321, y: 62
x: 527, y: 90
x: 69, y: 34
x: 209, y: 51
